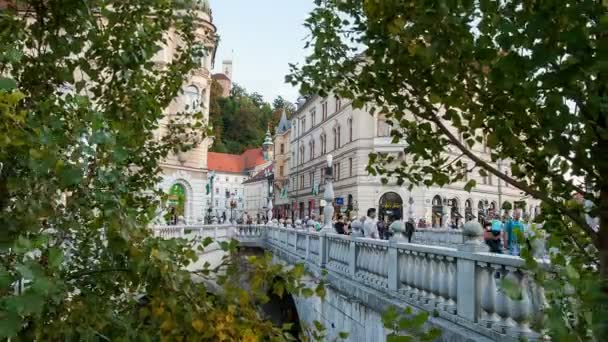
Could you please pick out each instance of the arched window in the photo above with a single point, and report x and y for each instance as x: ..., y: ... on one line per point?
x: 191, y: 99
x: 350, y: 130
x: 468, y: 210
x: 323, y: 144
x: 437, y: 211
x: 302, y: 151
x: 311, y: 147
x: 335, y: 138
x: 339, y: 135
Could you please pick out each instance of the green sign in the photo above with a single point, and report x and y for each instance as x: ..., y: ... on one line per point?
x: 177, y: 198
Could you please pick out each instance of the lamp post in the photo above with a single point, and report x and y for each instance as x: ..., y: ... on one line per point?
x: 269, y: 178
x: 328, y: 196
x: 211, y: 190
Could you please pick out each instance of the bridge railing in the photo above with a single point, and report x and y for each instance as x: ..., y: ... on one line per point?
x: 461, y: 284
x: 438, y: 237
x: 216, y: 232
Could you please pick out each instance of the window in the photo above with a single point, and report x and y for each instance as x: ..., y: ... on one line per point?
x: 507, y: 184
x: 303, y: 125
x: 313, y: 117
x: 281, y: 169
x: 384, y: 128
x: 191, y: 99
x: 350, y: 167
x: 350, y: 130
x: 335, y: 138
x: 312, y: 149
x: 324, y: 110
x: 490, y: 179
x: 465, y: 168
x: 484, y: 179
x: 216, y: 203
x: 311, y: 178
x: 226, y: 179
x: 301, y: 181
x: 302, y: 150
x: 282, y: 148
x: 217, y: 191
x: 338, y: 103
x: 323, y: 144
x: 339, y: 131
x: 236, y: 192
x: 322, y: 176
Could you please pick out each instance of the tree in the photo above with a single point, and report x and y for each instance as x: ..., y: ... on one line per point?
x: 80, y: 109
x: 527, y: 78
x: 240, y: 121
x: 280, y: 104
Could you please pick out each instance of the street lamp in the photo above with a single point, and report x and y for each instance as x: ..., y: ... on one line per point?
x: 269, y: 177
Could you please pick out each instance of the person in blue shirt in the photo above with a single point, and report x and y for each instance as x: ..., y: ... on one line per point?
x: 511, y: 228
x: 496, y: 230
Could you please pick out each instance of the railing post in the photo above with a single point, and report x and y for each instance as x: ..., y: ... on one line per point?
x: 307, y: 246
x: 352, y: 257
x: 466, y: 291
x: 393, y: 267
x: 322, y: 249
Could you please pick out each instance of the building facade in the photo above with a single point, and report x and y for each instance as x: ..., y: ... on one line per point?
x: 330, y: 125
x: 185, y: 174
x: 227, y: 197
x: 282, y: 206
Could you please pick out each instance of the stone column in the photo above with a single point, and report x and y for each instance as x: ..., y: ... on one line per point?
x: 466, y: 291
x: 328, y: 196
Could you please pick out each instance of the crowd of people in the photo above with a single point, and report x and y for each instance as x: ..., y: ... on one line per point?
x: 506, y: 234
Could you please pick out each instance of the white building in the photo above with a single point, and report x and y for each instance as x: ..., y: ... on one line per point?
x: 185, y: 174
x: 228, y: 198
x: 328, y: 125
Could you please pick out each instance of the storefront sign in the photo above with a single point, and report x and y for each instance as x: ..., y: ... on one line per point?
x: 339, y: 200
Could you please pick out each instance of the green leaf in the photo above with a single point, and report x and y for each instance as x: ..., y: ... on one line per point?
x: 470, y: 185
x: 307, y: 292
x: 399, y: 338
x: 571, y: 272
x: 511, y: 288
x: 55, y: 257
x: 319, y: 326
x: 10, y: 324
x: 7, y: 84
x: 343, y: 335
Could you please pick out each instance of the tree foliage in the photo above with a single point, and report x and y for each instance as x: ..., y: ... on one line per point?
x: 240, y: 121
x: 80, y: 109
x: 527, y: 78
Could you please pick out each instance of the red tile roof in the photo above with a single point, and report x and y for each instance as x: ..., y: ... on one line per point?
x: 226, y: 162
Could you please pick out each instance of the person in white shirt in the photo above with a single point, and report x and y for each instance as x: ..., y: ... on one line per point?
x: 370, y: 227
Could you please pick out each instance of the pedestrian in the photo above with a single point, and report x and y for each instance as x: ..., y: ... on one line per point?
x: 494, y: 238
x: 381, y: 226
x: 409, y: 229
x: 172, y: 217
x: 514, y: 230
x: 339, y: 226
x: 370, y: 228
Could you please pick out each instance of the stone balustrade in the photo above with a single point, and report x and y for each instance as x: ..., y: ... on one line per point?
x: 438, y: 237
x: 216, y: 232
x: 459, y: 281
x: 461, y: 285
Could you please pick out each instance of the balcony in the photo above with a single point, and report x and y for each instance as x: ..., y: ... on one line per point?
x: 385, y: 145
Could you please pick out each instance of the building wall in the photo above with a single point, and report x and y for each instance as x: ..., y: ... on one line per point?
x: 190, y: 168
x: 370, y: 133
x: 231, y: 183
x: 281, y: 164
x: 256, y: 197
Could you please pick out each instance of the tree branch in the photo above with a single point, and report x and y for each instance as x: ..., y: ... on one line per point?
x: 521, y: 186
x: 108, y: 270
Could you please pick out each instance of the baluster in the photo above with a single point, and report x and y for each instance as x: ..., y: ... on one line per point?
x: 488, y: 297
x: 451, y: 302
x: 503, y: 304
x: 384, y: 265
x: 443, y: 282
x: 417, y: 276
x: 429, y: 279
x: 436, y: 281
x: 521, y: 309
x: 405, y: 275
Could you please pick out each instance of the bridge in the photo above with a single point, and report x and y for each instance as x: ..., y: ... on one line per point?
x: 452, y: 277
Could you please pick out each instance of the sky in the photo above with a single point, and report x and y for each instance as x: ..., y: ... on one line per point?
x: 261, y: 37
